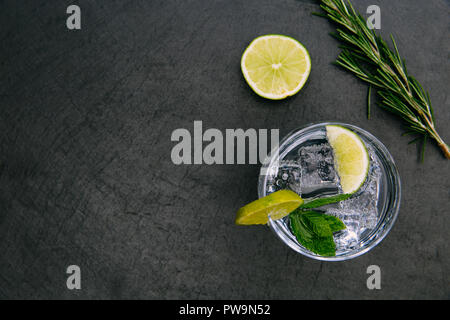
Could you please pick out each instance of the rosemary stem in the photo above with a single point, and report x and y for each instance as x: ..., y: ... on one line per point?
x: 444, y: 147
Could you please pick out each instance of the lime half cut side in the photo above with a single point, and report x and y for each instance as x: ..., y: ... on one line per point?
x: 277, y: 205
x: 350, y: 156
x: 276, y: 66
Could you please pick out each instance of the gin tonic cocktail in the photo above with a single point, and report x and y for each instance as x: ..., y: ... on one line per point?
x: 305, y: 163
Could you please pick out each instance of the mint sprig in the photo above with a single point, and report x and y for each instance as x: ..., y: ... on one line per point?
x: 314, y: 231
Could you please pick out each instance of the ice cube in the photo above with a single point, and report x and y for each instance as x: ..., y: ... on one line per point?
x: 287, y: 176
x: 366, y: 200
x: 317, y: 168
x: 349, y: 237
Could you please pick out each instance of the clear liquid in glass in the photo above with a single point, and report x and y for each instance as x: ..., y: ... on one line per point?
x: 306, y: 166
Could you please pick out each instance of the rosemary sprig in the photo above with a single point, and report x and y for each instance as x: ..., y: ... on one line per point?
x: 367, y: 55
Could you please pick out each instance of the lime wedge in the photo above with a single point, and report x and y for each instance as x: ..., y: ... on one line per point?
x: 276, y: 205
x: 350, y: 157
x: 276, y: 66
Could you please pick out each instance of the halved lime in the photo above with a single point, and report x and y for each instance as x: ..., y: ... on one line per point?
x: 350, y: 156
x: 276, y: 66
x: 276, y: 205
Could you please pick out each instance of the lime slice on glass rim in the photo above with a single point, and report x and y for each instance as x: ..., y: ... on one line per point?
x: 350, y: 156
x: 276, y: 206
x: 276, y: 66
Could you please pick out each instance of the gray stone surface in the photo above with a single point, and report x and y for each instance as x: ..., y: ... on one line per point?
x: 86, y: 176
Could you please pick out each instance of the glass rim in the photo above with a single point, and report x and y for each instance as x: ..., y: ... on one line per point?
x: 393, y: 209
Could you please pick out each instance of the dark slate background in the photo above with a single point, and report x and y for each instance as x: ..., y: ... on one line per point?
x: 86, y: 176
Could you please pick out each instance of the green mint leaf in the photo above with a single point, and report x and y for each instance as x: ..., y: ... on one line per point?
x: 324, y: 246
x: 317, y: 223
x: 334, y: 223
x: 314, y: 231
x: 299, y: 226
